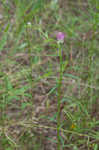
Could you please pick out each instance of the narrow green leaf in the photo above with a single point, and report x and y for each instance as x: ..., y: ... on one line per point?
x: 96, y: 147
x: 4, y: 38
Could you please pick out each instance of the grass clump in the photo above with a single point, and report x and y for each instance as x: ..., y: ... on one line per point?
x: 49, y: 95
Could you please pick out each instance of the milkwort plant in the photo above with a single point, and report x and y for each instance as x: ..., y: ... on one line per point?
x: 60, y: 39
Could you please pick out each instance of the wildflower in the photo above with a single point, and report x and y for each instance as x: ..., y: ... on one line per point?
x: 29, y: 24
x: 60, y: 37
x: 73, y: 126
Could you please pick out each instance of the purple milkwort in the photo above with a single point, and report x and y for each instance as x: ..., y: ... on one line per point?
x: 60, y: 37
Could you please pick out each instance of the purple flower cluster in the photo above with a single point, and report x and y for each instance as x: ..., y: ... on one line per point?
x: 60, y: 37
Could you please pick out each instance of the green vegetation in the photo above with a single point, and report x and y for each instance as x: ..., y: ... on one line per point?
x: 49, y: 92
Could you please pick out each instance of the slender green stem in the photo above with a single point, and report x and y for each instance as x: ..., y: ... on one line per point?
x: 28, y: 30
x: 59, y: 97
